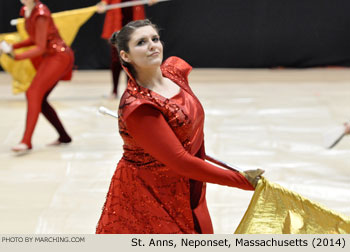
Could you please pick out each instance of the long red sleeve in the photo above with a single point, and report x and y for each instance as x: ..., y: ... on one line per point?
x: 24, y: 43
x: 151, y: 131
x: 41, y: 26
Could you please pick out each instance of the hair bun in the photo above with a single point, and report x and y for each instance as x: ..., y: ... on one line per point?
x: 113, y: 38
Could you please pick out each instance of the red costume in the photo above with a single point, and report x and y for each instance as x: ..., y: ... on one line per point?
x: 115, y: 19
x: 53, y: 61
x: 159, y: 184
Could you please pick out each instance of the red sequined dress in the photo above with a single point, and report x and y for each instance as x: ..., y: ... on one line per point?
x: 159, y: 184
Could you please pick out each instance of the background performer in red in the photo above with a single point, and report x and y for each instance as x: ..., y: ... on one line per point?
x: 115, y: 19
x: 53, y: 61
x: 159, y: 184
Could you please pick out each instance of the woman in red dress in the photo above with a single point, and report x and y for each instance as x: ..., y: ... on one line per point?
x: 115, y: 19
x: 53, y: 61
x: 159, y: 184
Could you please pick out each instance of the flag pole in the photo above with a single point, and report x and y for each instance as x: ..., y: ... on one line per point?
x: 14, y: 22
x: 130, y: 3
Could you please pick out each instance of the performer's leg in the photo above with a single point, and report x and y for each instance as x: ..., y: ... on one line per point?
x: 128, y: 15
x: 116, y: 69
x: 52, y: 117
x: 50, y: 71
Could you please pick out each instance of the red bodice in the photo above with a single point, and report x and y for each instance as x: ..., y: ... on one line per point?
x: 44, y: 36
x: 54, y: 42
x: 185, y: 115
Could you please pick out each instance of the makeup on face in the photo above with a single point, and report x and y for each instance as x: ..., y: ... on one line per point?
x: 145, y: 47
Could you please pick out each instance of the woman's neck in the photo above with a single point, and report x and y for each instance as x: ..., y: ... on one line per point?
x: 149, y: 77
x: 29, y: 8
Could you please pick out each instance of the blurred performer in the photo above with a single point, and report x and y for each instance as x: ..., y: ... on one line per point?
x: 115, y: 19
x: 53, y: 61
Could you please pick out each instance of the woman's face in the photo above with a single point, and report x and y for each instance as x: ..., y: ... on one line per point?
x: 145, y: 48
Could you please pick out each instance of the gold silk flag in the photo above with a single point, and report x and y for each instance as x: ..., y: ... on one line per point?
x: 22, y: 71
x: 68, y: 24
x: 276, y: 210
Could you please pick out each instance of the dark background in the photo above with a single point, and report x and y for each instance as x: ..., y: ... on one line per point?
x: 225, y: 33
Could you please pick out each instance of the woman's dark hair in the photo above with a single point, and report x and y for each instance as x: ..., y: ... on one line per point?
x: 120, y: 39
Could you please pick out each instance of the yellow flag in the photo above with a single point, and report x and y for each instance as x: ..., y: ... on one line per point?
x: 22, y: 71
x: 276, y: 210
x: 68, y: 23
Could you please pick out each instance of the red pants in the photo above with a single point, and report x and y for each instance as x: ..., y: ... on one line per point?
x: 51, y: 69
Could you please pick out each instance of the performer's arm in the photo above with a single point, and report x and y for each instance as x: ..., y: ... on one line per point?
x: 40, y: 41
x: 24, y: 43
x: 151, y: 131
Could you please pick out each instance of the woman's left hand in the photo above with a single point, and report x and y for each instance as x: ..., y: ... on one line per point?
x: 253, y: 176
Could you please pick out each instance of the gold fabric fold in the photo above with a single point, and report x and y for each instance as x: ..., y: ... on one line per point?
x: 276, y: 210
x: 23, y: 72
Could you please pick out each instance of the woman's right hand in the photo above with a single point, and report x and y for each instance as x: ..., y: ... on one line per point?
x: 253, y: 176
